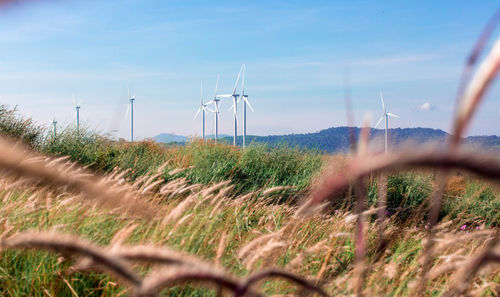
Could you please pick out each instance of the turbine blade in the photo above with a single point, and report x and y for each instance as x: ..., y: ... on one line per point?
x: 74, y: 101
x: 201, y: 92
x: 392, y: 115
x: 232, y: 106
x: 382, y: 100
x: 197, y: 113
x: 216, y: 85
x: 238, y: 79
x: 225, y: 96
x: 127, y: 111
x: 379, y: 121
x: 243, y: 81
x: 248, y: 103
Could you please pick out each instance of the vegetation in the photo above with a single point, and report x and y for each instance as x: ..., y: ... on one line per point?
x: 235, y: 210
x: 336, y: 140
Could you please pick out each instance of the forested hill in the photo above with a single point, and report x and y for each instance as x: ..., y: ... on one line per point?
x: 337, y: 139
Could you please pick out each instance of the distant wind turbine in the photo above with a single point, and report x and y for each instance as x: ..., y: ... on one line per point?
x: 77, y: 113
x: 54, y: 127
x: 203, y: 108
x: 215, y: 101
x: 385, y: 115
x: 244, y: 97
x: 235, y: 105
x: 131, y: 107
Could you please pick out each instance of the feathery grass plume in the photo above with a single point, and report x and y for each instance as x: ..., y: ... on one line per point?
x: 17, y: 161
x: 295, y: 262
x: 157, y: 255
x: 167, y: 277
x: 475, y: 91
x: 177, y: 224
x: 71, y: 245
x: 191, y: 188
x: 220, y: 249
x: 257, y: 242
x: 487, y: 166
x: 263, y: 251
x: 276, y: 189
x: 123, y: 234
x: 469, y: 269
x: 223, y: 193
x: 176, y: 213
x: 214, y: 188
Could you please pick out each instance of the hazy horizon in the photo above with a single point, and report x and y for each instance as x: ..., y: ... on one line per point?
x: 295, y: 53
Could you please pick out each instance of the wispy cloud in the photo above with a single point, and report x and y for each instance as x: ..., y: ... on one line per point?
x: 392, y: 60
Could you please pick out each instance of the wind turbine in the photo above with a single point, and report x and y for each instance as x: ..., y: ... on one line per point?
x: 54, y: 127
x: 131, y: 106
x: 203, y: 108
x: 77, y: 113
x: 245, y: 103
x: 235, y: 105
x: 215, y: 101
x: 385, y: 115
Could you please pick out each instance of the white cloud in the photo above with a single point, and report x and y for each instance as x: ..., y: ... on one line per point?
x: 426, y: 106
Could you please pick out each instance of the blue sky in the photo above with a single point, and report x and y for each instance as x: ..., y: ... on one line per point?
x: 295, y: 52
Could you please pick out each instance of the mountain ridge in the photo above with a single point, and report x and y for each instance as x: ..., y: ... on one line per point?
x: 336, y: 139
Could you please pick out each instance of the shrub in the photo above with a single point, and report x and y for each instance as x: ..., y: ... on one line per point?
x: 406, y: 193
x: 478, y: 205
x: 15, y: 126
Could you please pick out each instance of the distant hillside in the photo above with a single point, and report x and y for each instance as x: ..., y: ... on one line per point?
x: 336, y: 139
x: 167, y: 138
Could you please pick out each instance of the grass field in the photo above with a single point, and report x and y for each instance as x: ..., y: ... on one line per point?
x: 144, y: 215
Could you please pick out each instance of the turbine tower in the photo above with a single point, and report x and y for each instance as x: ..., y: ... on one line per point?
x: 385, y: 115
x: 77, y: 114
x: 203, y: 108
x: 235, y: 105
x: 244, y: 97
x: 54, y: 127
x: 131, y: 106
x: 215, y: 101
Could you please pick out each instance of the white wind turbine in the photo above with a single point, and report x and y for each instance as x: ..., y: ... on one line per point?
x: 244, y: 97
x: 385, y: 115
x: 215, y: 101
x: 203, y: 108
x: 130, y: 107
x: 235, y: 105
x: 77, y: 113
x: 53, y: 122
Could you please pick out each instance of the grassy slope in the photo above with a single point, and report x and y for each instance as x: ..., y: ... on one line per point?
x: 199, y: 228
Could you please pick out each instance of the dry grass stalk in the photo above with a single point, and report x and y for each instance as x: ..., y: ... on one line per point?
x: 484, y: 165
x: 166, y: 277
x: 17, y: 161
x: 220, y: 249
x: 469, y: 269
x: 123, y: 234
x: 276, y: 189
x: 295, y: 262
x: 475, y: 91
x: 257, y: 242
x: 265, y: 250
x: 176, y: 213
